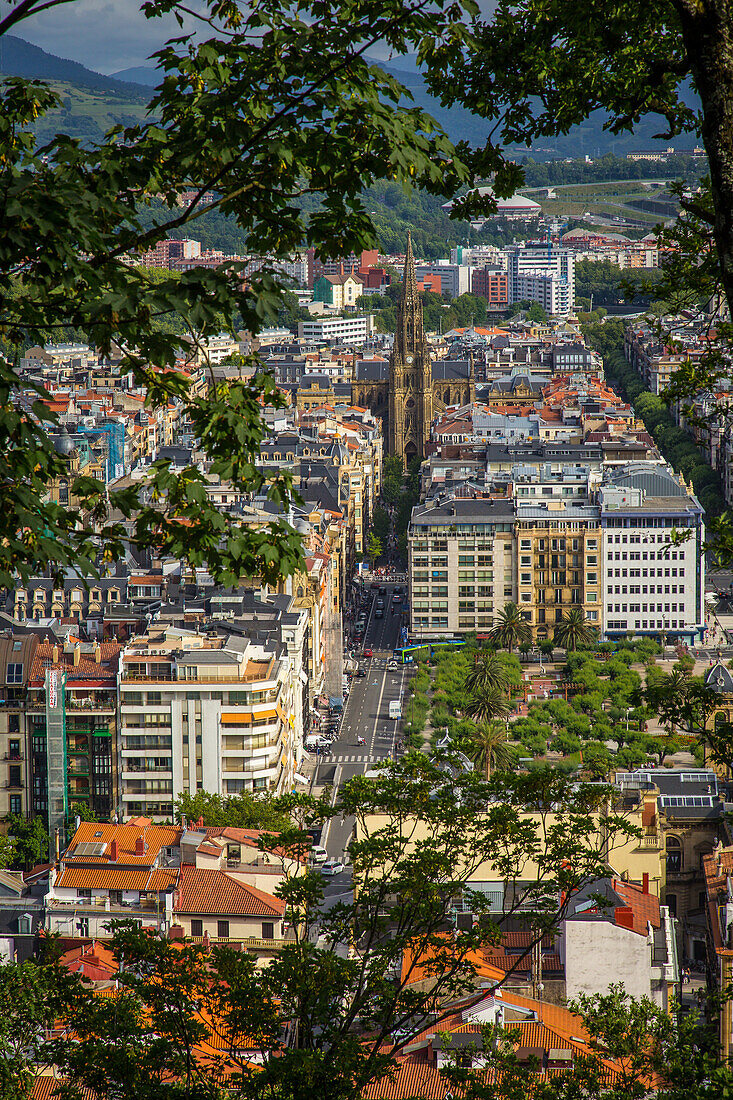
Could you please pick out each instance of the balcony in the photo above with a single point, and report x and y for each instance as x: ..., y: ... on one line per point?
x: 249, y: 943
x: 16, y: 757
x: 650, y: 840
x: 11, y: 786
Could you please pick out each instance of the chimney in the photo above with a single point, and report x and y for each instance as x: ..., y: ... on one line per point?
x: 645, y: 883
x: 57, y: 843
x: 55, y: 654
x: 624, y: 917
x: 77, y: 655
x: 113, y: 851
x: 140, y: 846
x: 97, y: 653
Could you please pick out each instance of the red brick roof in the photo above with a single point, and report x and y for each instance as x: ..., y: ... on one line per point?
x: 210, y: 891
x: 644, y: 906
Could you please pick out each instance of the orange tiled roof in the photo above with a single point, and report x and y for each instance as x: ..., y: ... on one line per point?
x: 644, y: 906
x: 93, y: 961
x: 126, y: 836
x: 104, y: 878
x: 87, y: 667
x: 216, y: 892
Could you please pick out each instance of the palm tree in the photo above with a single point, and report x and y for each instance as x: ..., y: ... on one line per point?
x: 510, y: 628
x: 489, y: 671
x: 488, y: 748
x: 574, y: 630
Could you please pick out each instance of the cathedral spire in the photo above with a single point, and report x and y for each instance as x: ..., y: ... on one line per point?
x: 409, y: 282
x: 409, y: 314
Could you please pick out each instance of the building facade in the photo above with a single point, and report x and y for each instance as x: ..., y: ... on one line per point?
x: 653, y: 560
x: 461, y: 566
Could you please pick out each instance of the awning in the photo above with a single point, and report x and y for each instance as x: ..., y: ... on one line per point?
x: 300, y: 778
x: 236, y: 719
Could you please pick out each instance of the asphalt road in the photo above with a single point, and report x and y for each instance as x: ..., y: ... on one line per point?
x: 366, y: 715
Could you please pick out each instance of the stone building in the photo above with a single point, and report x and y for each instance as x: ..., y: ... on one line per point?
x: 413, y: 389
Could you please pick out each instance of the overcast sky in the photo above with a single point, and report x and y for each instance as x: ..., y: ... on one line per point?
x: 104, y: 35
x: 110, y: 35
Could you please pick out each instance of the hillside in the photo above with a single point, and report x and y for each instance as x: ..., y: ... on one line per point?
x: 20, y: 58
x: 589, y: 138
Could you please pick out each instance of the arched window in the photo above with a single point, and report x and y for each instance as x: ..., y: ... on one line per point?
x: 674, y: 855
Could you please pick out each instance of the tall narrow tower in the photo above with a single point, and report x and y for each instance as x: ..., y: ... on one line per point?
x: 410, y: 375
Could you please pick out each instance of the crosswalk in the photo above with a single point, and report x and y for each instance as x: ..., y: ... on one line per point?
x: 349, y: 759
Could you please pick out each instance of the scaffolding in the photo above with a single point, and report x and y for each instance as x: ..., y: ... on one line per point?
x: 56, y: 752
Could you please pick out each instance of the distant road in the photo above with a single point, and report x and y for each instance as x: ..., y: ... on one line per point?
x: 589, y: 183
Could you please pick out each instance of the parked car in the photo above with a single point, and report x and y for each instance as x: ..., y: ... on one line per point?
x: 332, y: 867
x: 318, y: 855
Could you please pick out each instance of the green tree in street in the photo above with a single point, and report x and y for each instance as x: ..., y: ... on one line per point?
x: 487, y: 748
x: 574, y: 631
x: 510, y: 628
x: 374, y: 549
x: 381, y: 525
x: 244, y: 810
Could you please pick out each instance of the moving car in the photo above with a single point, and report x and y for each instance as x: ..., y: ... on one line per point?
x: 318, y: 855
x: 332, y: 867
x: 368, y: 653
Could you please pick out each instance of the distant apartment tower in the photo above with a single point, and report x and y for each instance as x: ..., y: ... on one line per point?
x: 344, y: 330
x: 455, y: 279
x: 491, y: 282
x: 542, y: 275
x: 164, y: 252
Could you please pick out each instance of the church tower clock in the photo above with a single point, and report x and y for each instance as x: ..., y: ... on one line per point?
x: 410, y: 374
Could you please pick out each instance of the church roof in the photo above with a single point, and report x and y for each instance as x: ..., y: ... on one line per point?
x: 446, y: 370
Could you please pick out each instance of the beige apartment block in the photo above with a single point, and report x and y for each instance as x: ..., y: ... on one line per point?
x: 461, y: 563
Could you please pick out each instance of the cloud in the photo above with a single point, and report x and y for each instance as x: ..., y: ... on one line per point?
x: 104, y: 35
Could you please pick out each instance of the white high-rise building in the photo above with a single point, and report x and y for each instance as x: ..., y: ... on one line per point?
x: 651, y: 583
x: 542, y: 275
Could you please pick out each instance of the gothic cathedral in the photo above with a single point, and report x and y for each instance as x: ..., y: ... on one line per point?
x: 412, y: 390
x: 410, y: 376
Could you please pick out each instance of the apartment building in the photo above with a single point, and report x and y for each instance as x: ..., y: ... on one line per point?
x: 558, y: 562
x: 545, y: 272
x: 211, y: 712
x: 653, y: 560
x: 461, y: 565
x: 351, y: 330
x: 72, y: 729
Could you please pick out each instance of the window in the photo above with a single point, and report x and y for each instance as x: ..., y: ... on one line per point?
x: 14, y: 776
x: 16, y: 804
x: 14, y: 750
x: 197, y: 928
x: 14, y: 673
x: 268, y: 930
x: 222, y: 929
x: 674, y: 856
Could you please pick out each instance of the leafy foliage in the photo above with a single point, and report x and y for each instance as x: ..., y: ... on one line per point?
x: 244, y: 811
x: 323, y: 122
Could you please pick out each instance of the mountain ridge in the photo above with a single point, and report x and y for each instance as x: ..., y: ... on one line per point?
x: 23, y: 59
